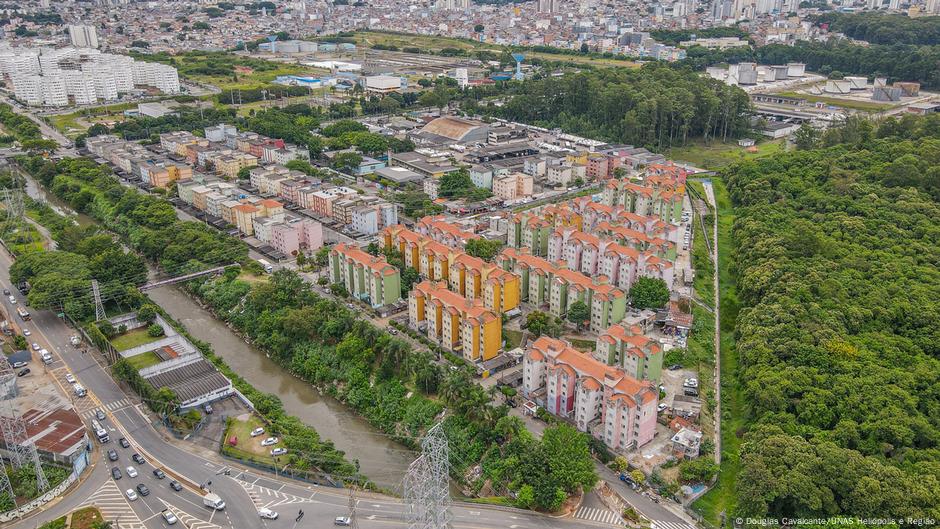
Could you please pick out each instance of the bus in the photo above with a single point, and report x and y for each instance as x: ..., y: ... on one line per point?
x: 100, y: 432
x: 24, y: 314
x: 266, y: 265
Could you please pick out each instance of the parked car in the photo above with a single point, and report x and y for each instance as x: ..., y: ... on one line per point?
x: 675, y: 367
x: 278, y: 451
x: 36, y: 346
x: 175, y: 485
x: 123, y: 442
x: 70, y: 378
x: 143, y: 490
x: 158, y: 473
x: 112, y: 455
x: 257, y: 431
x: 661, y: 408
x: 137, y: 459
x: 131, y: 472
x: 270, y: 441
x: 207, y: 408
x: 23, y: 373
x: 131, y: 495
x: 115, y: 473
x: 690, y: 383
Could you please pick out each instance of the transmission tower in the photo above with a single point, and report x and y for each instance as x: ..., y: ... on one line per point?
x: 22, y: 451
x: 99, y: 307
x: 8, y: 387
x: 352, y: 510
x: 426, y: 483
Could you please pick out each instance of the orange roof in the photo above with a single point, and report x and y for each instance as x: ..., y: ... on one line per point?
x: 455, y: 303
x: 271, y: 203
x: 245, y: 208
x: 378, y: 265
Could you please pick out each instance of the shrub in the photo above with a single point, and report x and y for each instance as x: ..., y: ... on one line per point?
x: 155, y: 330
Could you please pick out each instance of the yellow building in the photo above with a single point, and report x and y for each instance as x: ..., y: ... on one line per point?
x: 460, y: 325
x: 464, y: 274
x: 244, y: 218
x: 229, y: 165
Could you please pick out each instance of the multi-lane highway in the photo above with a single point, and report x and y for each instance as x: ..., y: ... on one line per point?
x: 243, y: 492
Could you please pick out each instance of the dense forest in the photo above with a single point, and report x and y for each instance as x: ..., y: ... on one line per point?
x: 654, y: 107
x: 836, y: 254
x: 674, y: 37
x: 884, y: 28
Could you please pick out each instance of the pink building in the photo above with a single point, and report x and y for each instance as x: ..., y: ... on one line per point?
x: 290, y: 237
x: 601, y: 400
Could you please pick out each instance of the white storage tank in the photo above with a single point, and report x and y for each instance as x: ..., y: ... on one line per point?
x: 858, y: 83
x: 881, y: 82
x: 840, y: 86
x: 796, y: 69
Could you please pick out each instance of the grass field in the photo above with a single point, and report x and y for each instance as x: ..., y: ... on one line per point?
x: 435, y: 43
x: 144, y: 360
x: 248, y: 447
x: 133, y: 339
x: 722, y: 497
x: 865, y: 106
x: 245, y: 81
x: 717, y: 155
x: 85, y: 518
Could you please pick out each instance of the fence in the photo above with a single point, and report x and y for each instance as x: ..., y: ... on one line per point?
x: 40, y: 501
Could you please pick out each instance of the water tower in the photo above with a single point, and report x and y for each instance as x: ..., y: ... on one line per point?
x: 518, y: 57
x: 271, y: 39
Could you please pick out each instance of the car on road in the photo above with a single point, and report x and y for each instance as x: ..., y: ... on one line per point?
x: 112, y: 455
x: 137, y: 459
x: 6, y: 292
x: 143, y: 490
x: 23, y: 373
x: 267, y: 514
x: 169, y: 517
x: 131, y: 472
x: 70, y: 378
x: 12, y: 299
x: 99, y: 415
x: 158, y: 473
x: 27, y: 332
x: 393, y: 331
x: 278, y: 451
x: 175, y: 485
x: 131, y: 495
x: 270, y: 441
x: 661, y: 408
x: 342, y: 520
x: 257, y: 431
x: 36, y: 346
x: 123, y: 442
x: 115, y: 473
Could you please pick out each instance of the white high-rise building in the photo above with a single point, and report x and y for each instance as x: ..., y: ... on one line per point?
x: 548, y: 6
x: 160, y: 76
x: 54, y: 93
x: 81, y: 87
x: 83, y: 36
x: 28, y: 88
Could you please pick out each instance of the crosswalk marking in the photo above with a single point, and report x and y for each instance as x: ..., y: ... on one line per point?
x: 188, y: 520
x: 264, y: 497
x: 599, y: 515
x: 113, y: 506
x: 659, y: 524
x: 89, y: 412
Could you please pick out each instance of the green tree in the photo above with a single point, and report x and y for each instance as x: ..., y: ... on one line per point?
x: 348, y: 161
x: 578, y: 313
x: 155, y: 330
x: 244, y: 173
x: 649, y: 293
x: 483, y: 248
x: 806, y: 137
x: 569, y: 457
x: 620, y: 464
x: 637, y: 476
x: 147, y: 313
x: 339, y: 290
x: 539, y: 323
x: 322, y: 257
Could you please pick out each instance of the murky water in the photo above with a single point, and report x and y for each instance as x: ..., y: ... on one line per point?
x: 380, y: 458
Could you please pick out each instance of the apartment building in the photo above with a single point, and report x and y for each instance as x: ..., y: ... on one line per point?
x: 228, y: 165
x: 621, y: 264
x: 163, y: 174
x: 530, y: 231
x: 321, y: 202
x: 368, y: 278
x: 557, y: 287
x: 220, y: 133
x: 177, y: 142
x: 370, y: 217
x: 564, y: 173
x: 464, y: 274
x: 627, y: 348
x: 661, y: 201
x: 513, y: 186
x: 446, y: 233
x: 602, y: 400
x: 460, y: 325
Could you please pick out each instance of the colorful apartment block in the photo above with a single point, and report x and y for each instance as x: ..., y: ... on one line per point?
x: 602, y: 400
x: 446, y: 233
x: 627, y: 348
x: 164, y: 174
x: 466, y: 275
x: 557, y: 287
x: 513, y: 186
x: 530, y: 231
x: 366, y: 277
x: 459, y: 324
x: 620, y: 263
x: 662, y: 201
x: 230, y: 164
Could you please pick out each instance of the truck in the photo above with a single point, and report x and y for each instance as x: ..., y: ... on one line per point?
x: 268, y: 267
x: 24, y: 314
x: 100, y: 432
x: 79, y: 390
x: 212, y: 500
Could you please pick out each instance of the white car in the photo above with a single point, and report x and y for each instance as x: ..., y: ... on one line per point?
x: 12, y: 299
x: 690, y: 383
x: 661, y: 408
x: 267, y: 514
x: 27, y: 332
x: 70, y: 378
x: 36, y: 346
x: 131, y: 472
x: 169, y: 517
x: 270, y: 441
x: 257, y: 431
x: 131, y: 495
x: 278, y: 451
x: 342, y: 520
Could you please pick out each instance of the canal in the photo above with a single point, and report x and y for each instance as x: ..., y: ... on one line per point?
x: 381, y: 459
